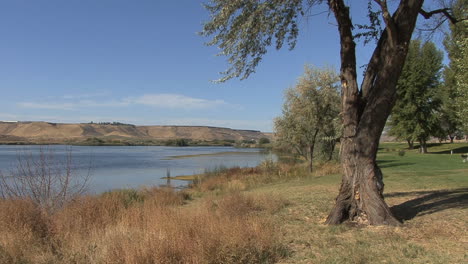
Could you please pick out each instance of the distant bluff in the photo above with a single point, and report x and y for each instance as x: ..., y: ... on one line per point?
x: 57, y: 132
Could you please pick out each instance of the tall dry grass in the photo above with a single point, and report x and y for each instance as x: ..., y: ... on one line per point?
x: 150, y: 226
x: 24, y: 232
x: 239, y: 179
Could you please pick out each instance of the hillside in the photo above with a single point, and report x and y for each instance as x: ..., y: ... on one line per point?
x: 55, y: 132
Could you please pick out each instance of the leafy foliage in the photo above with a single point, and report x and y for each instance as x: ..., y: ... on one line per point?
x: 415, y: 115
x: 310, y: 112
x: 456, y: 74
x: 244, y: 29
x: 373, y: 30
x: 448, y: 94
x: 180, y: 142
x: 264, y: 140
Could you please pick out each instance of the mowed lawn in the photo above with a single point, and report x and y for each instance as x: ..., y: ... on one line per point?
x: 428, y: 192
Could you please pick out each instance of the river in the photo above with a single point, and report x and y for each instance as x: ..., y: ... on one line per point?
x: 115, y: 167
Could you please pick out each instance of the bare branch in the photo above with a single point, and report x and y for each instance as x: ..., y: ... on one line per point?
x: 434, y: 28
x: 444, y: 11
x: 45, y: 179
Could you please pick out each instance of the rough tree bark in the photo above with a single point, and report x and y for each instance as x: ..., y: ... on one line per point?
x: 366, y: 110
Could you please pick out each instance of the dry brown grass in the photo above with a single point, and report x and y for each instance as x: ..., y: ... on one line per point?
x: 240, y: 179
x: 327, y: 168
x: 24, y: 232
x: 150, y: 226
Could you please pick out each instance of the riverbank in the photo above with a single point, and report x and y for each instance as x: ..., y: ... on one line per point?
x: 273, y: 213
x: 132, y: 142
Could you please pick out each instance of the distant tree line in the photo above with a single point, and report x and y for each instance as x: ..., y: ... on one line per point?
x: 111, y: 123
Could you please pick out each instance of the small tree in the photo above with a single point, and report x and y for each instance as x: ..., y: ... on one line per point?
x: 263, y: 141
x: 310, y: 111
x: 416, y: 112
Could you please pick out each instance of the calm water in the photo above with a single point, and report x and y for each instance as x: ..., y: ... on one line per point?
x: 133, y: 166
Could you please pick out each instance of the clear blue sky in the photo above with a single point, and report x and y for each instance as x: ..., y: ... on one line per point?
x: 142, y: 62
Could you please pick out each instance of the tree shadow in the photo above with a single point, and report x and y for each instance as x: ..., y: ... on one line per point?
x: 460, y: 150
x: 429, y: 202
x: 392, y: 163
x: 430, y: 145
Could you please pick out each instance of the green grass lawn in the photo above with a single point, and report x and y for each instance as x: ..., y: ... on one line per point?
x: 428, y: 192
x: 423, y: 171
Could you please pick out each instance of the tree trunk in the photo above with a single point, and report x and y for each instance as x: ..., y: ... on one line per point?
x: 451, y: 138
x: 332, y: 149
x: 422, y: 146
x: 361, y: 193
x: 410, y: 143
x: 365, y: 112
x: 311, y: 153
x: 311, y: 150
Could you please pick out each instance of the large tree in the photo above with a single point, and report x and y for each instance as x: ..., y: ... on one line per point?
x: 456, y: 74
x: 243, y: 30
x: 310, y: 112
x: 416, y: 114
x: 450, y: 122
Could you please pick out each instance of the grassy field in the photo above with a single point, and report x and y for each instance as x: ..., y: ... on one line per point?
x: 270, y: 214
x: 429, y: 193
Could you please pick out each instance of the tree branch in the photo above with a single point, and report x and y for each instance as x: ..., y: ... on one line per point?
x: 444, y: 11
x: 391, y: 27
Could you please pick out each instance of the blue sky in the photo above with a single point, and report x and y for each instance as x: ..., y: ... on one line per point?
x: 142, y: 62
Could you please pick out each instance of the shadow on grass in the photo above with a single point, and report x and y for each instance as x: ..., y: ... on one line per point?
x: 460, y: 150
x: 429, y: 202
x: 392, y: 163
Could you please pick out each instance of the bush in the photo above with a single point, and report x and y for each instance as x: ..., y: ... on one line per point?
x: 180, y: 142
x: 47, y: 180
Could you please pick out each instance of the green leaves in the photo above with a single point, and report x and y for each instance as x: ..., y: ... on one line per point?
x: 310, y: 111
x: 456, y: 74
x: 245, y: 29
x: 415, y: 115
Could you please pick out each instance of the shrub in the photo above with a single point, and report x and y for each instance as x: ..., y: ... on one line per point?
x: 180, y: 142
x: 45, y: 179
x: 264, y: 140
